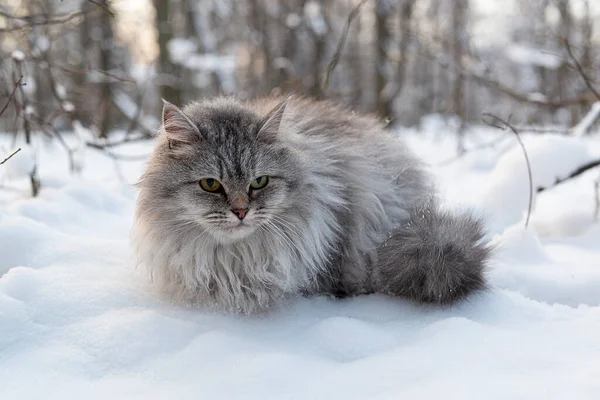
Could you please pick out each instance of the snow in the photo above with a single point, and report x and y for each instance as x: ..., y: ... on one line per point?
x: 587, y: 121
x: 313, y: 12
x: 532, y: 56
x: 29, y: 86
x: 211, y: 62
x: 537, y: 97
x: 184, y: 52
x: 61, y: 91
x: 42, y: 43
x: 77, y: 319
x: 130, y: 108
x: 293, y: 20
x: 21, y: 165
x: 18, y: 55
x: 552, y: 157
x: 67, y: 106
x: 180, y: 49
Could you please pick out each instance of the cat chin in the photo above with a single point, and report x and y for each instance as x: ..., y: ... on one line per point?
x: 232, y: 234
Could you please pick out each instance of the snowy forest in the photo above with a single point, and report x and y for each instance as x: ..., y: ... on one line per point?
x: 106, y: 63
x: 500, y: 99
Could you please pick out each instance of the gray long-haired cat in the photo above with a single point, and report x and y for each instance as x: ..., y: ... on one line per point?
x: 246, y: 204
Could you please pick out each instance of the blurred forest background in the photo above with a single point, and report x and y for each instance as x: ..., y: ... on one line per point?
x: 102, y: 66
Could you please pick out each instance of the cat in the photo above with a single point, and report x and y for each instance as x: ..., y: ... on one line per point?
x: 246, y: 204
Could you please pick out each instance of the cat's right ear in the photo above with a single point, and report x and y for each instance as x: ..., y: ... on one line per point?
x: 270, y: 126
x: 177, y: 126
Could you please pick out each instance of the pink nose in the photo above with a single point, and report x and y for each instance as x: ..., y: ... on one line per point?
x: 240, y: 213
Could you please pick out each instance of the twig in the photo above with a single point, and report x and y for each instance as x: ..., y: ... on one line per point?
x: 541, y: 129
x: 10, y: 156
x: 580, y: 69
x: 577, y: 172
x: 36, y: 20
x: 103, y: 6
x: 119, y: 157
x: 96, y: 71
x: 12, y: 94
x: 34, y: 177
x: 102, y: 146
x: 148, y: 133
x: 597, y: 202
x: 528, y: 98
x: 340, y: 46
x: 135, y: 121
x: 499, y: 123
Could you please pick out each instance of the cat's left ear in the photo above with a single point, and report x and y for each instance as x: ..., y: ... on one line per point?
x: 272, y: 122
x: 178, y: 126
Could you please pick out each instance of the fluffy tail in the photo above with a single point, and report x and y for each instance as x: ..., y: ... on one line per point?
x: 436, y: 257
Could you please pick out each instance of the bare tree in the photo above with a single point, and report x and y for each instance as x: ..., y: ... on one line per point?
x: 169, y: 72
x: 459, y: 39
x: 382, y: 41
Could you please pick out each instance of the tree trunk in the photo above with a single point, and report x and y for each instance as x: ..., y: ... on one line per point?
x: 564, y: 34
x: 168, y: 72
x: 406, y: 10
x: 382, y: 39
x: 319, y: 51
x: 459, y: 21
x: 106, y: 65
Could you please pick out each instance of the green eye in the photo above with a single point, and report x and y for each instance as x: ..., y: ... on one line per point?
x: 260, y: 182
x: 210, y: 185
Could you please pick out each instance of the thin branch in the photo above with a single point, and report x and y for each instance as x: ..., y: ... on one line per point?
x: 12, y: 94
x: 118, y: 157
x: 580, y: 69
x: 148, y: 133
x: 597, y: 199
x: 102, y: 146
x: 577, y: 172
x: 36, y: 20
x: 340, y: 46
x: 528, y: 98
x: 585, y: 98
x: 542, y: 129
x: 135, y: 121
x: 103, y: 6
x: 34, y: 176
x: 97, y: 71
x: 10, y: 156
x: 499, y: 123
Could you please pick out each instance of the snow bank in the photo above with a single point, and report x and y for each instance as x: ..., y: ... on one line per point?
x: 21, y: 164
x: 77, y: 320
x: 551, y: 157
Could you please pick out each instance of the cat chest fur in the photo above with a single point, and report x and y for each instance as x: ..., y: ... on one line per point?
x: 246, y: 275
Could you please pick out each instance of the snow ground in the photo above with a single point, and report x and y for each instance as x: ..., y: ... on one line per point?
x: 77, y: 320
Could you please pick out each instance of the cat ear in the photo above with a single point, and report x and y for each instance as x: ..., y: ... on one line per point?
x: 272, y: 122
x: 178, y: 127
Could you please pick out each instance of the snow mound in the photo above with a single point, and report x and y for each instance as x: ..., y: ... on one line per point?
x: 551, y: 157
x: 21, y: 164
x: 518, y: 245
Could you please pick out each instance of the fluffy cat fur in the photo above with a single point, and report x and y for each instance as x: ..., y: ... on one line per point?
x: 347, y: 210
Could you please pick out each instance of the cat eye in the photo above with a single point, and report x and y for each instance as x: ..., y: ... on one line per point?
x: 259, y: 182
x: 210, y: 185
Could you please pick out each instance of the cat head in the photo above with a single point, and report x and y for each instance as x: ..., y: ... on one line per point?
x: 224, y: 167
